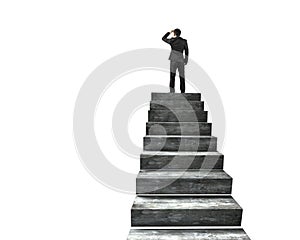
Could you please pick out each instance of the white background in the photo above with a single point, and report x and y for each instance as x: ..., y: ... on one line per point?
x: 250, y: 49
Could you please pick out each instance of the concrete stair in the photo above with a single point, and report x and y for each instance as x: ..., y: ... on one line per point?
x: 185, y: 211
x: 176, y: 104
x: 180, y: 143
x: 187, y: 234
x: 182, y: 182
x: 177, y: 116
x: 181, y: 160
x: 176, y: 96
x: 178, y: 128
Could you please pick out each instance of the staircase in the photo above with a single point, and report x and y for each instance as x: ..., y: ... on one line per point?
x: 183, y: 193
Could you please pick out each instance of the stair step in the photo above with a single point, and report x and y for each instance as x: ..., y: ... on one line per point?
x: 188, y: 234
x: 176, y: 96
x: 181, y: 160
x: 180, y: 143
x: 177, y: 116
x: 178, y: 128
x: 176, y: 104
x: 183, y: 182
x: 185, y: 211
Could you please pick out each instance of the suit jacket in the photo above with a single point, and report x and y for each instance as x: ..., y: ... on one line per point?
x: 178, y: 45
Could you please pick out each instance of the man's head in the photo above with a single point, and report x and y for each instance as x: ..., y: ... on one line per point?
x: 177, y: 32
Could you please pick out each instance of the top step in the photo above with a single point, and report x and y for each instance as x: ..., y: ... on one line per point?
x: 176, y: 96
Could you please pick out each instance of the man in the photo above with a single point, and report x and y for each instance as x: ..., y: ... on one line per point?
x: 177, y: 61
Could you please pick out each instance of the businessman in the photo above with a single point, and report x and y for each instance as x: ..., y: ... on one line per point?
x: 177, y: 60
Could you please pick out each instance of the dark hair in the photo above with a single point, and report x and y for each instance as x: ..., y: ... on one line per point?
x: 177, y: 32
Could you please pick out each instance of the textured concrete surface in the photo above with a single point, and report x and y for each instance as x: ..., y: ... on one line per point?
x: 176, y: 96
x: 185, y: 203
x: 188, y: 234
x: 176, y: 104
x: 181, y: 160
x: 184, y: 182
x: 177, y: 116
x: 185, y: 211
x: 184, y: 187
x: 182, y: 143
x: 178, y: 128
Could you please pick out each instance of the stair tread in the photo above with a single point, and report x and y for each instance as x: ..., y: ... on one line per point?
x: 174, y: 101
x: 158, y: 153
x: 185, y: 203
x: 176, y: 110
x: 188, y: 234
x: 178, y: 123
x: 179, y: 136
x: 188, y: 174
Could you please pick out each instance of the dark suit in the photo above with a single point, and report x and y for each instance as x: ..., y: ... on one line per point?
x: 177, y: 60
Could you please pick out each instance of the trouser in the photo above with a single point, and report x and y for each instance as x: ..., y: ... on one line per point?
x: 173, y: 67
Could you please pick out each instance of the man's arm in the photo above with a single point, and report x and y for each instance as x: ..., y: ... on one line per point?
x: 165, y: 37
x: 186, y: 52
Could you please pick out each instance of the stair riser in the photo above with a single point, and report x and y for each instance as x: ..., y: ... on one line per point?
x: 169, y: 105
x: 181, y: 144
x: 194, y: 217
x: 182, y: 162
x: 183, y: 186
x: 176, y: 96
x: 176, y: 116
x: 203, y: 129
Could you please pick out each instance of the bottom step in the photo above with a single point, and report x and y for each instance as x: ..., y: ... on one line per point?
x: 188, y: 234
